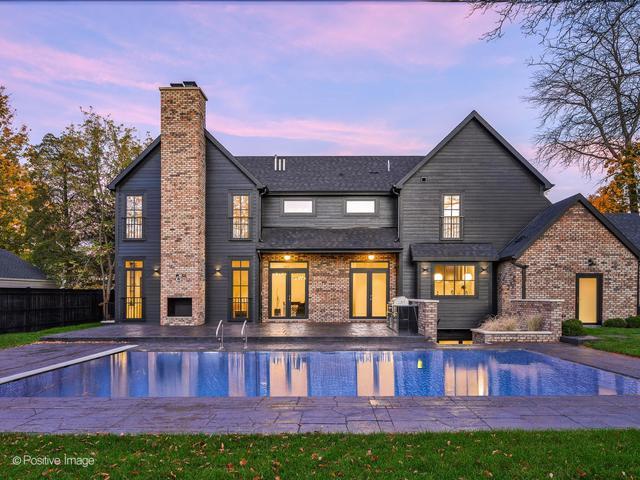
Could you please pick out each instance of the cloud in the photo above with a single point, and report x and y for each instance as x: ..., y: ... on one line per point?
x: 39, y: 63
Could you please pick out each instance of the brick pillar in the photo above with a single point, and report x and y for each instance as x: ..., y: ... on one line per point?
x: 182, y: 244
x: 427, y: 318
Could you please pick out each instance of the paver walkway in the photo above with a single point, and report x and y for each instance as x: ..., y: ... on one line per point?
x: 300, y: 415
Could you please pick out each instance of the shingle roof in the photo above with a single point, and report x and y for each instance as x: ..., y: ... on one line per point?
x: 344, y: 239
x: 453, y: 251
x: 541, y: 222
x: 12, y: 266
x: 629, y: 225
x: 331, y: 173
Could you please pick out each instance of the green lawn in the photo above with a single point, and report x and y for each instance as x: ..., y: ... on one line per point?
x: 8, y: 340
x: 618, y: 340
x: 593, y: 454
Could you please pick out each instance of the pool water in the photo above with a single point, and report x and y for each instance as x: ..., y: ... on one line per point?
x: 429, y: 373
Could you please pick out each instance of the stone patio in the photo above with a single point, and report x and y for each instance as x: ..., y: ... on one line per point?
x: 301, y: 414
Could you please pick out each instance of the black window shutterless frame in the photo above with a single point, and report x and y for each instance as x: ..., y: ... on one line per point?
x: 369, y: 272
x: 288, y: 272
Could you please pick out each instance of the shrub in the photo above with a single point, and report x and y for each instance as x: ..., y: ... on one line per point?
x: 573, y: 328
x: 500, y: 323
x: 535, y: 324
x: 633, y: 322
x: 615, y: 322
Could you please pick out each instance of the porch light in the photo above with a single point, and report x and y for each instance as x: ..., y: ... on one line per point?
x: 468, y: 277
x: 217, y: 272
x: 371, y: 257
x: 156, y: 270
x: 287, y: 257
x: 438, y: 277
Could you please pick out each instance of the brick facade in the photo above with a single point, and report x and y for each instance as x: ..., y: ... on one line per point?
x: 427, y: 318
x: 576, y: 243
x: 328, y: 284
x: 182, y: 244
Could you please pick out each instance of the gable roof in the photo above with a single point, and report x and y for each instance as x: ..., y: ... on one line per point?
x: 628, y: 224
x: 476, y: 116
x: 138, y: 160
x: 12, y: 266
x: 331, y: 173
x: 541, y: 222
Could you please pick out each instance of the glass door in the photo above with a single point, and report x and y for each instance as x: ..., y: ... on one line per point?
x: 369, y: 289
x: 288, y: 295
x: 589, y: 298
x: 133, y: 289
x: 240, y: 289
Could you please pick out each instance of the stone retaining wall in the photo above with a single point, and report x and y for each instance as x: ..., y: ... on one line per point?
x: 486, y: 337
x: 550, y: 310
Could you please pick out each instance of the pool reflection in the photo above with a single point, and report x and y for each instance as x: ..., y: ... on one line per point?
x: 285, y: 374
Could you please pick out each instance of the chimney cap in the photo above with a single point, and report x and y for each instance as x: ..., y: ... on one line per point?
x: 185, y: 84
x: 190, y: 83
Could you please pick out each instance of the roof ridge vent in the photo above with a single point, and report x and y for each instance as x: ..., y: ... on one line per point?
x: 279, y: 163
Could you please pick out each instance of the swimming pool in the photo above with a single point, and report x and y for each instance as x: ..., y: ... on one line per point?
x: 456, y: 372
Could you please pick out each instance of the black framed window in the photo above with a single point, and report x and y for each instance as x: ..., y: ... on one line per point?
x: 240, y: 216
x: 240, y: 289
x: 454, y: 280
x: 369, y: 289
x: 288, y: 290
x: 133, y: 224
x: 451, y: 220
x: 133, y: 301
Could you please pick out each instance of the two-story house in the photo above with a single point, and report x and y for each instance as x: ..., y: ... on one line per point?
x: 203, y: 235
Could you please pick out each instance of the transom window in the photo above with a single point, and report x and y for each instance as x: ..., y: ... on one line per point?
x: 240, y: 217
x: 304, y: 207
x: 133, y: 217
x: 454, y: 280
x: 361, y: 207
x: 451, y: 226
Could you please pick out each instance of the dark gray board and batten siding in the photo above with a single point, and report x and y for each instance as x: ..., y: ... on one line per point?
x: 145, y: 181
x: 499, y: 197
x: 329, y: 212
x: 223, y: 180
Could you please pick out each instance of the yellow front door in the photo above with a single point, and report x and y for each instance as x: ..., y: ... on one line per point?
x: 588, y: 303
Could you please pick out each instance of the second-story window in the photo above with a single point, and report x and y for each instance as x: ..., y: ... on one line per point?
x: 451, y: 220
x: 360, y: 207
x: 133, y: 217
x: 297, y: 207
x: 240, y: 217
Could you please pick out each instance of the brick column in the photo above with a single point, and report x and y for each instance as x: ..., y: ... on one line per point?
x: 182, y: 244
x: 427, y: 318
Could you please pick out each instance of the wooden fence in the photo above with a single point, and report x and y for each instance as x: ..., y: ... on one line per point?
x: 28, y: 309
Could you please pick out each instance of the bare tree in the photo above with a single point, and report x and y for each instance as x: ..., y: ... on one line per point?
x: 586, y: 83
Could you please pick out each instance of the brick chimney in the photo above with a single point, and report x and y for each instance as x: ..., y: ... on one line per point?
x: 182, y: 244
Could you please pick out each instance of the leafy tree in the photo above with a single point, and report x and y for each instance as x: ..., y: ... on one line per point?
x: 15, y: 187
x: 586, y: 84
x: 73, y: 220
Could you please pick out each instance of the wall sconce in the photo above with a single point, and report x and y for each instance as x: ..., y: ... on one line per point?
x: 591, y: 262
x: 156, y: 270
x: 217, y: 271
x: 287, y: 257
x: 483, y: 270
x: 371, y: 257
x: 425, y: 269
x: 438, y: 277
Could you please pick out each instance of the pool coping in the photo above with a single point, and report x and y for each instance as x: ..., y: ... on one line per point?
x: 55, y: 366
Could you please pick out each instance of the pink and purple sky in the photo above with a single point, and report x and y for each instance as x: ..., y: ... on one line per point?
x: 285, y: 78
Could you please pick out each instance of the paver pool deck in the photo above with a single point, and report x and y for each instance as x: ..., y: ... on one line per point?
x: 302, y: 414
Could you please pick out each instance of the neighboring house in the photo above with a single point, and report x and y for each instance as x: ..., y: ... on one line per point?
x: 204, y: 235
x: 16, y: 273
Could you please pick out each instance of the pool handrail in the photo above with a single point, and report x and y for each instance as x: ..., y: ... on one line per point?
x: 220, y: 337
x: 243, y: 334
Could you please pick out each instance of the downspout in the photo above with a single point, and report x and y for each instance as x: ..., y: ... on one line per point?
x: 262, y: 191
x: 523, y: 269
x: 399, y: 277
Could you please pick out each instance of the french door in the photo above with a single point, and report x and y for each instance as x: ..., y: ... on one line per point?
x: 369, y: 285
x: 288, y: 290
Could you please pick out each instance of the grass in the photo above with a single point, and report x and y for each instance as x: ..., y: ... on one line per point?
x: 593, y: 454
x: 8, y: 340
x: 618, y: 340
